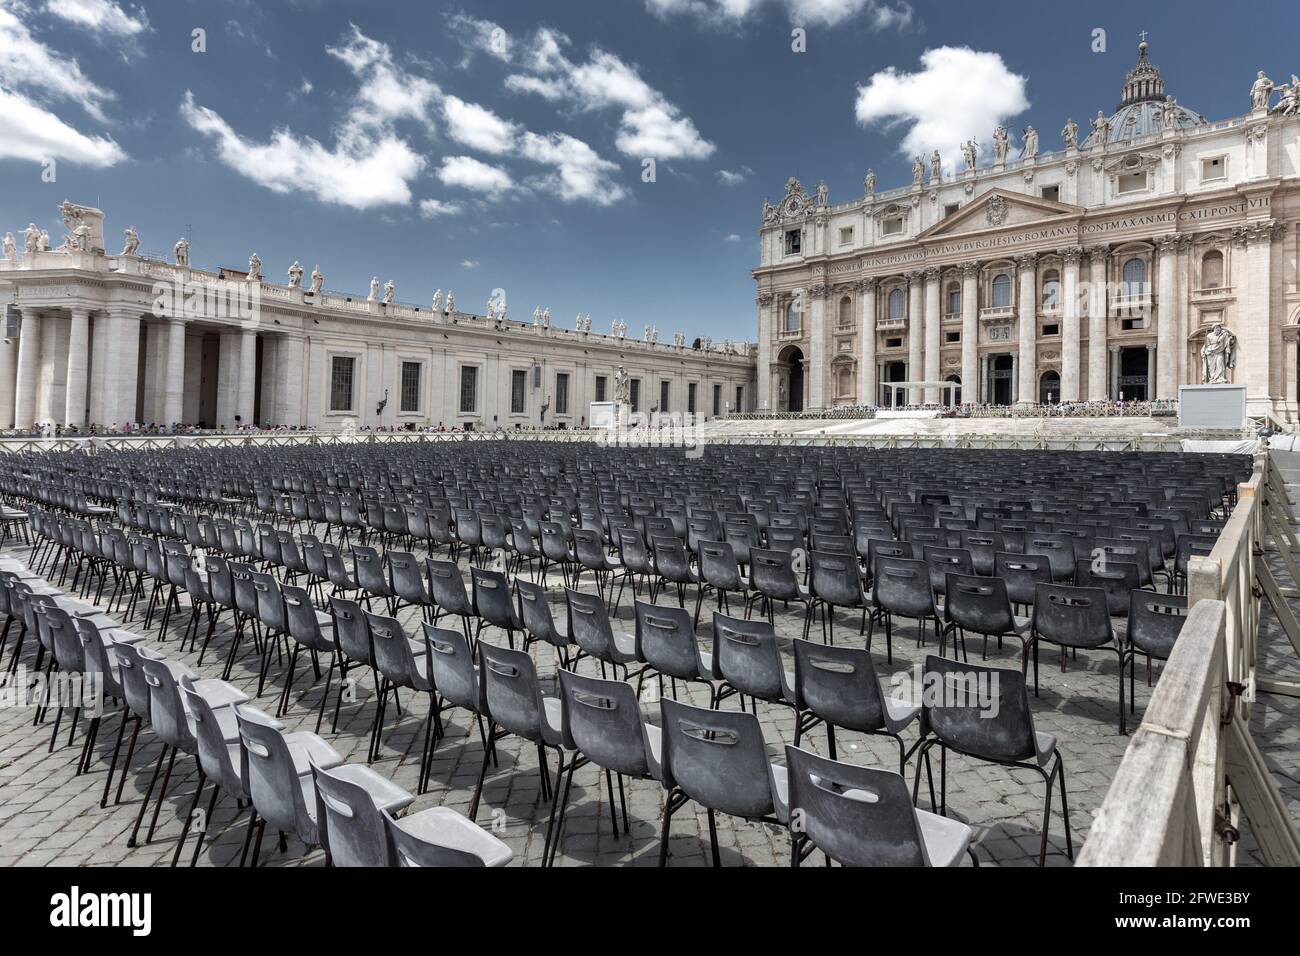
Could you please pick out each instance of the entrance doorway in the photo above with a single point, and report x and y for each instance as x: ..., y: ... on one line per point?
x: 952, y: 396
x: 1134, y: 384
x: 791, y: 360
x: 1049, y: 388
x: 1000, y: 383
x: 891, y: 396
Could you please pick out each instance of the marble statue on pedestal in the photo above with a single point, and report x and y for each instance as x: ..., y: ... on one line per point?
x: 1001, y: 145
x: 1218, y: 354
x: 295, y: 275
x: 1289, y: 103
x: 918, y: 171
x: 254, y: 268
x: 1070, y: 133
x: 390, y: 290
x: 491, y: 309
x: 622, y: 386
x: 936, y: 167
x: 182, y: 251
x: 132, y: 241
x: 374, y: 289
x: 317, y: 280
x: 31, y: 238
x: 1100, y: 129
x: 969, y: 153
x: 44, y: 244
x: 1260, y: 91
x: 823, y: 194
x: 537, y: 316
x: 437, y: 302
x: 1168, y: 113
x: 679, y: 339
x: 546, y: 318
x: 11, y: 247
x: 1030, y: 148
x: 451, y: 302
x: 869, y: 183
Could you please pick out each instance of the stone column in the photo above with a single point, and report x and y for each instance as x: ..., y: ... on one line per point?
x: 8, y: 377
x: 174, y: 373
x: 932, y: 335
x: 1289, y: 372
x: 247, y: 376
x: 765, y: 300
x: 915, y: 331
x: 1184, y: 292
x: 1254, y: 319
x: 122, y: 367
x: 1166, y: 381
x: 1113, y: 383
x: 868, y: 390
x: 78, y: 368
x: 29, y: 368
x: 1028, y: 328
x: 1098, y: 383
x: 815, y: 372
x: 970, y: 333
x: 1015, y: 377
x: 1070, y: 331
x: 1151, y: 369
x: 289, y: 363
x: 227, y: 378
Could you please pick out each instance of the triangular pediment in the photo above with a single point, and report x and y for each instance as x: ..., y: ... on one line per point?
x: 999, y: 209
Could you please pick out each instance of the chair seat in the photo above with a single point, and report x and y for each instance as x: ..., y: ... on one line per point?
x: 780, y: 792
x: 945, y: 839
x: 445, y: 827
x: 553, y: 714
x: 307, y: 748
x: 654, y: 738
x: 624, y: 646
x: 1044, y: 747
x: 899, y: 713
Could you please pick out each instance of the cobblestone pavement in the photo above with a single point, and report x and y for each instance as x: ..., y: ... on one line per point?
x: 50, y: 816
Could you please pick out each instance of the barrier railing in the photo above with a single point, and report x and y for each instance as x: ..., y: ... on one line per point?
x: 1192, y: 768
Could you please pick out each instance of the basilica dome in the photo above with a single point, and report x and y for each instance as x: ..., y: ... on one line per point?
x: 1142, y: 108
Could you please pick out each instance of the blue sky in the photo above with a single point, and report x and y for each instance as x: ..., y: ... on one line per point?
x: 493, y: 144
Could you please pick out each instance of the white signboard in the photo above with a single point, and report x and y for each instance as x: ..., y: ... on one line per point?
x: 602, y: 414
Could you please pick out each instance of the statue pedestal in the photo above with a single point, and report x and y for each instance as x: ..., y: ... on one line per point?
x: 1212, y: 406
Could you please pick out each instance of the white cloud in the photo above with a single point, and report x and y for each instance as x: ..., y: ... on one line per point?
x: 360, y: 171
x: 433, y: 208
x: 730, y: 177
x: 732, y: 237
x: 100, y: 16
x: 469, y: 263
x: 28, y: 64
x: 580, y: 173
x: 483, y: 36
x: 29, y: 132
x: 478, y: 127
x: 469, y: 173
x: 387, y: 92
x: 957, y: 94
x: 650, y: 125
x: 880, y: 14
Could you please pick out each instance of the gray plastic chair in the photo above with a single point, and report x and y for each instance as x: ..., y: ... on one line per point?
x: 440, y: 837
x: 719, y: 760
x: 1075, y: 618
x: 979, y: 605
x: 539, y: 624
x: 1154, y: 623
x: 665, y: 640
x: 400, y: 661
x: 589, y: 628
x: 220, y: 754
x: 863, y: 816
x: 456, y: 683
x: 354, y: 830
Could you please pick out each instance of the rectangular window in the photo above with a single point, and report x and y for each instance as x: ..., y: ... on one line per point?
x: 950, y: 208
x: 663, y: 396
x: 1214, y: 168
x: 411, y: 386
x: 690, y: 398
x: 793, y: 242
x: 892, y: 226
x: 1052, y: 193
x: 717, y: 399
x: 1052, y: 329
x: 1132, y: 182
x: 601, y: 385
x: 846, y: 235
x: 952, y: 336
x: 562, y: 393
x: 341, y: 376
x: 468, y: 389
x: 893, y: 343
x: 518, y: 391
x: 740, y: 398
x: 634, y: 394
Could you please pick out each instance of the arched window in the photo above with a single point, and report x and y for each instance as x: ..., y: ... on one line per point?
x: 952, y: 396
x: 954, y: 298
x: 896, y: 304
x: 846, y: 311
x: 1135, y: 276
x: 1212, y: 270
x: 1001, y: 291
x: 1051, y: 289
x: 1049, y: 388
x: 791, y: 318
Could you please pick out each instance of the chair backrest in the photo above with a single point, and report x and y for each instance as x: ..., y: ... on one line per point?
x: 839, y: 685
x: 393, y: 655
x: 451, y: 666
x: 978, y: 604
x: 1022, y: 574
x: 857, y: 816
x: 772, y: 573
x: 982, y: 711
x: 131, y: 676
x: 602, y: 721
x: 167, y: 713
x: 351, y: 630
x: 492, y: 601
x: 354, y: 826
x: 213, y: 751
x: 405, y: 577
x: 1155, y: 621
x: 834, y: 578
x: 1115, y: 578
x: 447, y: 587
x: 902, y: 586
x: 665, y: 639
x: 270, y: 602
x: 945, y: 561
x: 718, y: 758
x: 748, y: 657
x: 511, y: 690
x: 369, y: 568
x: 272, y: 780
x: 589, y: 624
x: 1073, y: 616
